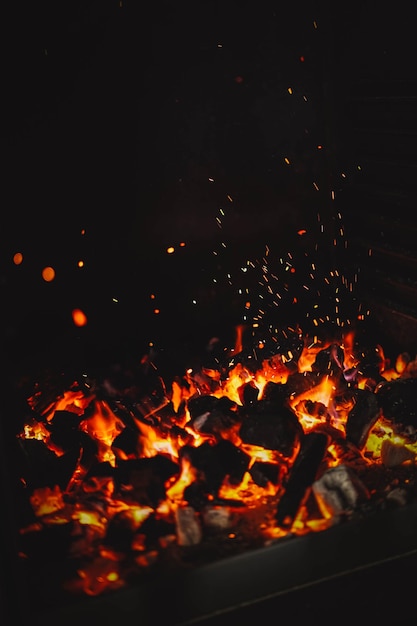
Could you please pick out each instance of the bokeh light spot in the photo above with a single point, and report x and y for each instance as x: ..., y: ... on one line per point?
x: 79, y: 317
x: 48, y: 274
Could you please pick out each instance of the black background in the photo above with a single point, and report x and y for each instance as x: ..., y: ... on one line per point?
x: 118, y: 115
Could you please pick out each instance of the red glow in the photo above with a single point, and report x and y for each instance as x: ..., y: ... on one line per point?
x: 48, y: 274
x: 18, y: 258
x: 79, y: 317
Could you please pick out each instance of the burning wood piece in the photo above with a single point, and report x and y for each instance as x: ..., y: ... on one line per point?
x: 48, y: 543
x: 370, y: 363
x: 301, y: 477
x: 274, y: 395
x: 64, y: 430
x: 126, y: 442
x: 397, y: 497
x: 340, y: 449
x: 362, y: 417
x: 189, y: 531
x: 301, y: 382
x: 145, y: 479
x: 155, y: 532
x: 215, y: 462
x: 338, y: 492
x: 393, y: 454
x: 42, y: 467
x: 217, y: 517
x: 211, y: 415
x: 315, y: 409
x: 248, y: 394
x: 264, y: 473
x: 329, y: 361
x: 279, y: 431
x: 398, y: 401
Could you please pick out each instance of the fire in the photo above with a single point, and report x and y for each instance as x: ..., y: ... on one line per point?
x: 321, y: 396
x: 153, y: 443
x: 213, y: 471
x: 186, y: 477
x: 103, y: 426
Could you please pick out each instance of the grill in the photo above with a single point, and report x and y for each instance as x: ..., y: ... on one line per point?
x: 368, y: 101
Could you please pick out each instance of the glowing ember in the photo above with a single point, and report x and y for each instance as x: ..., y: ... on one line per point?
x: 258, y: 447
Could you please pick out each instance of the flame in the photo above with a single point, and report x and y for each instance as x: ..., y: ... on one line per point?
x: 314, y: 407
x: 187, y: 476
x: 103, y: 426
x: 154, y: 443
x: 247, y: 490
x: 383, y: 431
x: 237, y: 377
x: 320, y: 394
x: 308, y: 356
x: 46, y: 500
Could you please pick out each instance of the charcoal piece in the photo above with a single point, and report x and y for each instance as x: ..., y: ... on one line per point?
x: 393, y: 454
x: 218, y: 419
x: 145, y: 478
x: 43, y: 468
x: 200, y: 405
x: 279, y: 431
x: 248, y: 394
x: 329, y: 361
x: 318, y: 410
x: 362, y: 417
x: 154, y: 529
x: 264, y: 473
x: 217, y: 517
x: 339, y: 491
x: 398, y: 401
x: 397, y: 497
x: 64, y: 429
x: 100, y: 469
x: 203, y: 458
x: 48, y: 543
x: 300, y: 382
x: 216, y: 461
x: 120, y: 532
x: 189, y: 531
x: 196, y: 495
x: 301, y: 477
x: 274, y: 396
x: 234, y: 461
x: 370, y: 362
x: 127, y: 441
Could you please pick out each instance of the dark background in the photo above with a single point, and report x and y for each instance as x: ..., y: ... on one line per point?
x: 117, y: 117
x: 140, y: 123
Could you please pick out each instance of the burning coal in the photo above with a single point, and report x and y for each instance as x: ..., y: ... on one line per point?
x: 139, y: 469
